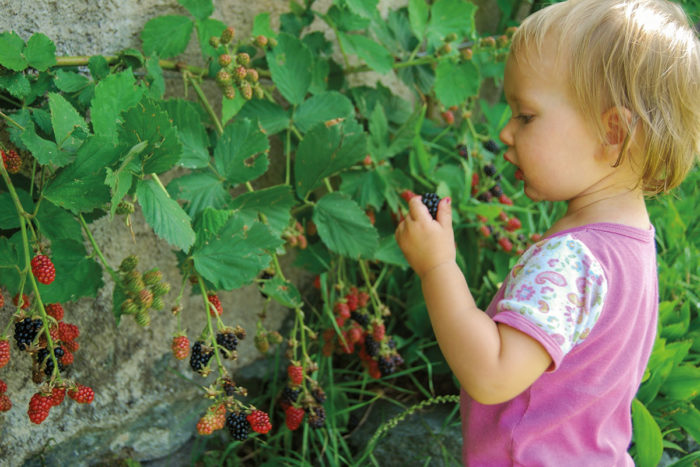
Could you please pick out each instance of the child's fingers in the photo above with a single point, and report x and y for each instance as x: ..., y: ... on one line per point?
x: 417, y: 210
x: 444, y: 214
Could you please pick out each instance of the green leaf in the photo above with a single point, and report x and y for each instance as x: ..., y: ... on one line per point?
x: 200, y: 190
x: 290, y: 63
x: 12, y: 51
x: 11, y: 262
x: 67, y: 123
x: 236, y: 255
x: 40, y: 52
x: 166, y: 36
x: 230, y: 107
x: 190, y: 131
x: 688, y: 417
x: 447, y: 16
x: 344, y: 227
x: 241, y: 152
x: 80, y: 187
x: 366, y: 187
x: 200, y: 9
x: 69, y: 81
x: 16, y: 84
x: 363, y: 8
x: 113, y: 95
x: 57, y: 223
x: 456, y: 82
x: 168, y: 219
x: 683, y: 383
x: 208, y: 225
x: 647, y: 436
x: 261, y: 26
x: 375, y: 55
x: 325, y: 151
x: 120, y: 180
x: 148, y: 122
x: 44, y: 151
x: 99, y: 68
x: 271, y: 116
x: 418, y: 11
x: 9, y: 219
x: 283, y: 292
x: 390, y: 253
x: 321, y: 108
x: 207, y: 28
x: 154, y: 78
x: 273, y: 203
x: 77, y: 274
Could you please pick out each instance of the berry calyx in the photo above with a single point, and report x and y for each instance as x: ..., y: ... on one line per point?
x: 259, y: 421
x: 43, y: 269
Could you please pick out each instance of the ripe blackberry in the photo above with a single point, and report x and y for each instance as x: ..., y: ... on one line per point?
x: 227, y: 340
x: 199, y: 358
x: 317, y: 417
x: 319, y: 395
x: 238, y: 425
x: 229, y: 387
x: 492, y: 146
x: 361, y: 318
x: 371, y: 346
x: 496, y: 190
x: 386, y: 366
x: 290, y: 395
x: 25, y: 332
x: 431, y: 201
x: 463, y: 151
x: 391, y: 343
x: 43, y: 355
x: 489, y: 170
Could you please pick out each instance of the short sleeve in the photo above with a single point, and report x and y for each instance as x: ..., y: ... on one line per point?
x: 555, y: 294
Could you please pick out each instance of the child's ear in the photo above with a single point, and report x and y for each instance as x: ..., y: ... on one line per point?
x: 617, y: 122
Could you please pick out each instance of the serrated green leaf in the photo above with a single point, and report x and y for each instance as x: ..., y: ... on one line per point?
x: 290, y: 64
x: 40, y: 52
x: 77, y: 274
x: 200, y: 190
x: 166, y: 36
x: 418, y: 11
x: 65, y: 121
x: 16, y: 84
x: 261, y: 26
x: 647, y: 436
x: 69, y: 81
x: 683, y: 383
x: 344, y: 227
x: 12, y: 51
x: 321, y: 108
x: 236, y: 255
x: 389, y: 252
x: 456, y: 82
x: 448, y: 16
x: 688, y: 417
x: 9, y: 219
x: 154, y: 78
x: 326, y: 150
x: 200, y: 9
x: 231, y: 107
x: 113, y: 95
x: 209, y: 223
x: 148, y: 122
x: 57, y: 223
x: 366, y: 187
x: 273, y: 203
x: 11, y: 262
x: 283, y: 292
x: 44, y: 151
x: 206, y: 29
x: 272, y: 117
x: 375, y: 55
x: 241, y: 152
x: 121, y: 179
x: 363, y: 8
x: 190, y: 132
x: 168, y: 219
x: 98, y: 66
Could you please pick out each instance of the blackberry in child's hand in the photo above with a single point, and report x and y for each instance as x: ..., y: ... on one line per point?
x: 431, y: 201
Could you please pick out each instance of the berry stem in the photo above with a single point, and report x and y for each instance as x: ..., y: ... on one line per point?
x: 205, y: 103
x: 374, y: 296
x: 97, y: 250
x: 208, y: 306
x: 10, y: 120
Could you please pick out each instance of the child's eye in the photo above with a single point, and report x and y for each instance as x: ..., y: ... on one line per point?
x: 524, y: 118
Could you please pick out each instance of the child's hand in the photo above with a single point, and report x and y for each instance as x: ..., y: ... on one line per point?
x: 426, y: 243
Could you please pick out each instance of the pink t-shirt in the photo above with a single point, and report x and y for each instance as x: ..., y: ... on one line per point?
x: 589, y: 295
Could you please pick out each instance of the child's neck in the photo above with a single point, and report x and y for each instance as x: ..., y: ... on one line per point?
x: 625, y: 207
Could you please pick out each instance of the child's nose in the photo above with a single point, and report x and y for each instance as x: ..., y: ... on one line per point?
x: 506, y: 134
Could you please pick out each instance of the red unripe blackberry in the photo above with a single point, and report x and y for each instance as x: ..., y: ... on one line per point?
x: 57, y: 396
x: 5, y: 403
x: 261, y: 41
x: 448, y: 117
x: 378, y: 332
x: 352, y: 299
x: 67, y: 331
x: 180, y: 347
x: 12, y: 161
x: 504, y: 199
x: 55, y: 310
x: 207, y: 424
x: 259, y: 421
x: 39, y: 407
x: 25, y: 301
x: 407, y: 195
x: 215, y: 303
x: 227, y: 35
x: 2, y: 300
x: 82, y: 394
x: 3, y: 386
x: 43, y: 269
x: 296, y: 374
x: 67, y: 358
x: 342, y: 309
x: 513, y: 224
x: 505, y: 244
x: 293, y: 417
x: 225, y: 60
x: 4, y: 352
x: 485, y: 230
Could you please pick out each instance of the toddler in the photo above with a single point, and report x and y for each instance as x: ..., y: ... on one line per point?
x: 605, y: 101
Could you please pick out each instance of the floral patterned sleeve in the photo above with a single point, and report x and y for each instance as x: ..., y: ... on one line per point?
x: 559, y: 287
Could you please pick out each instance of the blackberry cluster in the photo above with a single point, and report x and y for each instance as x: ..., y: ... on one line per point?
x: 290, y: 395
x: 227, y: 340
x: 26, y: 331
x: 42, y: 355
x: 238, y: 425
x: 317, y: 417
x: 361, y: 318
x: 431, y: 201
x: 199, y: 358
x: 371, y: 346
x: 388, y: 364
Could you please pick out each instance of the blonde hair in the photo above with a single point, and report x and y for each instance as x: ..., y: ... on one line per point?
x: 639, y: 55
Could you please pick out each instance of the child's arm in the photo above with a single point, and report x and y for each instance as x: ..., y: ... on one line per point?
x: 493, y: 362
